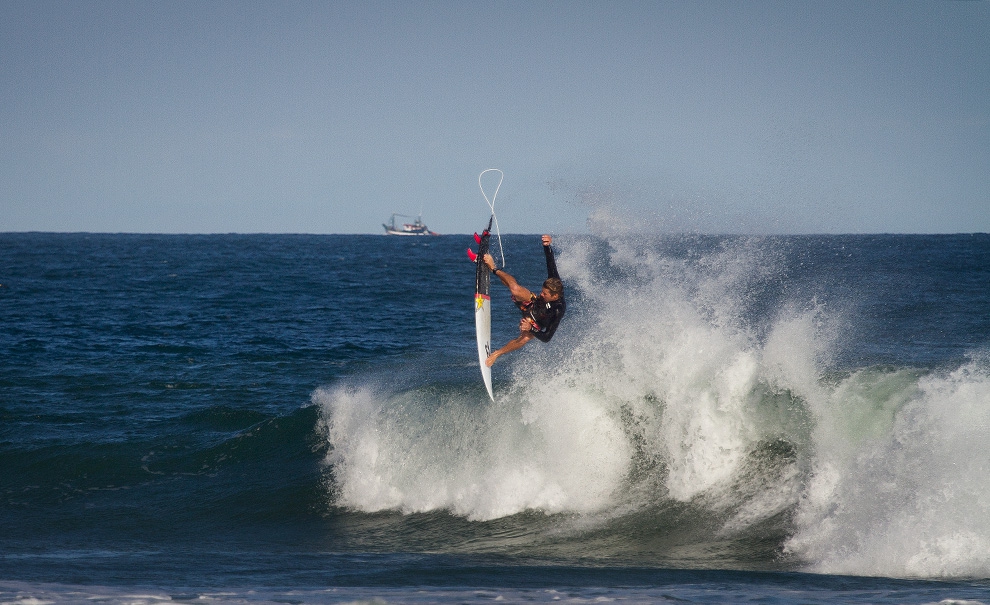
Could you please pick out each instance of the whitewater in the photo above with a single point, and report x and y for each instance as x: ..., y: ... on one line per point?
x: 684, y: 397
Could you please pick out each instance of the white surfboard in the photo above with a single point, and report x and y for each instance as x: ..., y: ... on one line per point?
x: 483, y: 308
x: 483, y: 328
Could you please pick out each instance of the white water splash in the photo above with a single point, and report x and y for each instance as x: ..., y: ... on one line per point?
x: 659, y: 369
x: 657, y: 366
x: 554, y: 454
x: 900, y: 485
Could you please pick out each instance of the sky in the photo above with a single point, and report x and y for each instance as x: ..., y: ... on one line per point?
x: 327, y: 117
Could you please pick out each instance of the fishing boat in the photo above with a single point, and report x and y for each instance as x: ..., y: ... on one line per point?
x: 414, y: 228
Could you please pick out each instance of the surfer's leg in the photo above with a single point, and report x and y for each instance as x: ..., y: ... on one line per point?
x: 512, y: 345
x: 518, y: 292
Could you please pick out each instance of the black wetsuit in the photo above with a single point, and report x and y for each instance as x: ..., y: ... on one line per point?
x: 546, y: 314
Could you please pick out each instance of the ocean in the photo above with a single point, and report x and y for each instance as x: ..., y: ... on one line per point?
x: 301, y: 419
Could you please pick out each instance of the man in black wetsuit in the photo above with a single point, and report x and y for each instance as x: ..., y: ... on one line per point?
x: 540, y: 314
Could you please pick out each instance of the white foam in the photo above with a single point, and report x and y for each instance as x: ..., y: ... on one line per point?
x: 554, y: 452
x: 23, y: 593
x: 900, y: 481
x: 658, y: 369
x: 655, y: 365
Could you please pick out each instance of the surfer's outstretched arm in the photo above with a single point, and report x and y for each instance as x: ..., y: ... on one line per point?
x: 548, y: 252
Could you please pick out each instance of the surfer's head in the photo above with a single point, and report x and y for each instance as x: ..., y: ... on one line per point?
x: 553, y: 289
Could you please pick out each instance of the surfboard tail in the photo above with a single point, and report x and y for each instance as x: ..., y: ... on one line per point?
x: 483, y: 329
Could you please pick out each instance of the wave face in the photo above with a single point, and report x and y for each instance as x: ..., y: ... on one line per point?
x: 709, y: 399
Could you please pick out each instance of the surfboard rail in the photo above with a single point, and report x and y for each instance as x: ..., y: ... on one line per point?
x: 483, y: 308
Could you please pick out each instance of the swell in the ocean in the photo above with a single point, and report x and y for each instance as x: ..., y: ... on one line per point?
x: 697, y: 407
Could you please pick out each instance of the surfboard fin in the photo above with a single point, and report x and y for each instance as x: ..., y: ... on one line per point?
x: 477, y: 238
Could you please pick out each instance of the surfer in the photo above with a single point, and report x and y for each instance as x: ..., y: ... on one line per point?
x: 540, y: 313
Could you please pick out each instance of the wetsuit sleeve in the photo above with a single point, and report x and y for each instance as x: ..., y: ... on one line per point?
x: 547, y: 334
x: 551, y: 264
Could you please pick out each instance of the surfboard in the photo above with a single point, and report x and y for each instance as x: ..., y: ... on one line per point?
x: 483, y: 308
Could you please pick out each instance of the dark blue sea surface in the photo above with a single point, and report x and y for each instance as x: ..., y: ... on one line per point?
x: 255, y: 418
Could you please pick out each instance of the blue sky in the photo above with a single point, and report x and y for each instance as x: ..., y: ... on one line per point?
x: 326, y: 117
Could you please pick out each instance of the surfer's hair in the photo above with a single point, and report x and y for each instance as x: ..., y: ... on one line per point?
x: 554, y: 286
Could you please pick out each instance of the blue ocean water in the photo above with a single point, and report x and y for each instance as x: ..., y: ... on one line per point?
x: 277, y: 418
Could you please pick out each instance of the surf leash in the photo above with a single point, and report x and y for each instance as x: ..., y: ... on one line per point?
x: 491, y: 205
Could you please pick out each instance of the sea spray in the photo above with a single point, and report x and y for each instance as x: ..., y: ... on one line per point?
x: 671, y: 336
x: 696, y: 397
x: 659, y: 371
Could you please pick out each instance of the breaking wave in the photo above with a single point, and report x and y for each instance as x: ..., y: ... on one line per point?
x: 694, y: 389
